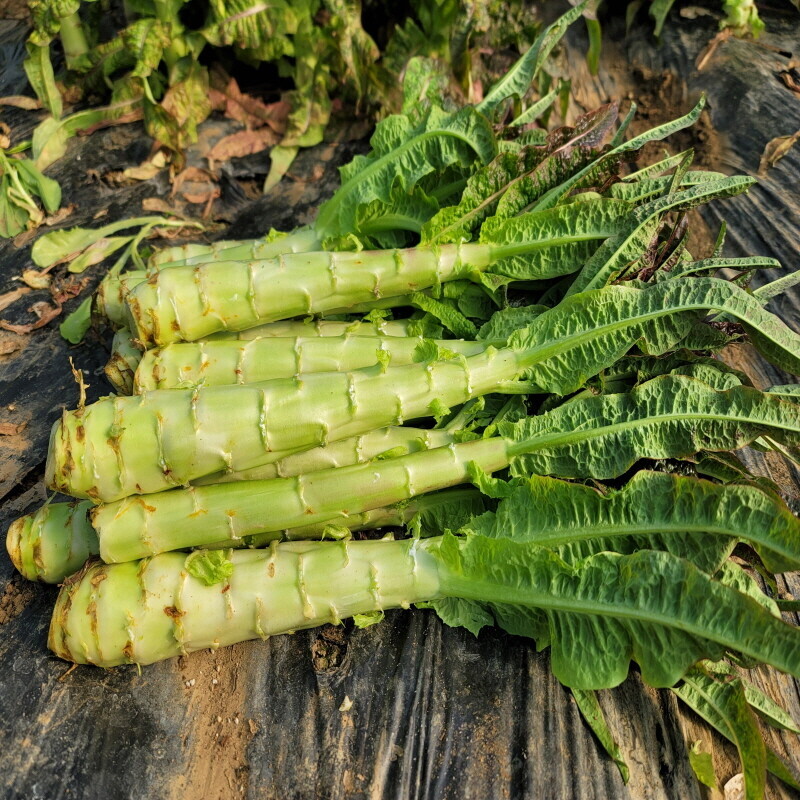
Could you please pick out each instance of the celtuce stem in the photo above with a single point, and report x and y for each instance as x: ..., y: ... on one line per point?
x: 121, y: 446
x: 151, y: 610
x: 136, y: 527
x: 188, y: 303
x: 218, y: 363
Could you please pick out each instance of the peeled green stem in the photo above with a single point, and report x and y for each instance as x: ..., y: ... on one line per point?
x: 217, y: 363
x: 121, y: 446
x: 395, y: 440
x: 139, y: 526
x: 125, y: 355
x: 52, y: 543
x: 55, y: 541
x: 189, y: 303
x: 302, y: 240
x: 151, y: 610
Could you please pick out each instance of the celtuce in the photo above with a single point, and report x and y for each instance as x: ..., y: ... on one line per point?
x: 121, y: 446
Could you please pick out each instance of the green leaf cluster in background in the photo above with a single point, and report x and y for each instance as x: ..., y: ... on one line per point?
x: 22, y: 189
x: 149, y: 67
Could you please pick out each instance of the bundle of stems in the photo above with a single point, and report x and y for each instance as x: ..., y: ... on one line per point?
x: 552, y: 335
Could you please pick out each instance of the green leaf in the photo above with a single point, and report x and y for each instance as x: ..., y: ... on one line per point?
x: 209, y: 566
x: 587, y: 332
x: 728, y: 701
x: 535, y: 110
x: 425, y: 81
x: 281, y: 158
x: 658, y: 11
x: 691, y: 518
x: 489, y: 486
x: 458, y: 613
x: 651, y: 607
x: 366, y: 620
x: 551, y: 243
x: 765, y: 707
x: 711, y: 265
x: 39, y: 70
x: 711, y: 714
x: 668, y: 417
x: 402, y: 148
x: 74, y: 327
x: 702, y: 765
x: 618, y: 253
x: 502, y: 324
x: 790, y: 391
x: 145, y: 41
x: 774, y: 288
x: 518, y: 79
x: 556, y: 194
x: 388, y: 224
x: 513, y: 180
x: 261, y: 30
x: 450, y: 317
x: 46, y: 188
x: 593, y: 714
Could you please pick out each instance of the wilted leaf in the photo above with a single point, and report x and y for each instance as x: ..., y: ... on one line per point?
x: 12, y: 428
x: 98, y: 251
x: 36, y: 279
x: 60, y: 215
x: 39, y: 70
x: 8, y: 346
x: 775, y: 150
x: 184, y: 107
x: 242, y: 143
x: 45, y: 313
x: 21, y: 101
x: 281, y: 158
x: 11, y: 297
x: 226, y: 97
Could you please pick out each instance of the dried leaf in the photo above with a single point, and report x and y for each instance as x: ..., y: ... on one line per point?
x: 24, y: 238
x: 60, y: 215
x: 242, y: 143
x: 66, y: 291
x: 708, y: 51
x: 12, y: 428
x: 11, y: 297
x: 45, y: 313
x: 144, y: 172
x: 20, y: 101
x: 36, y: 279
x: 775, y: 150
x: 791, y: 79
x: 161, y: 206
x: 734, y: 789
x: 226, y: 97
x: 8, y: 346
